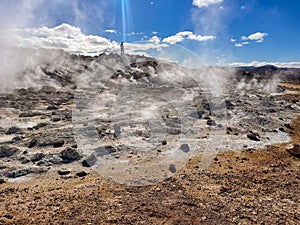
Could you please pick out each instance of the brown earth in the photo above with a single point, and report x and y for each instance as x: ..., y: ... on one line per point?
x: 239, y: 187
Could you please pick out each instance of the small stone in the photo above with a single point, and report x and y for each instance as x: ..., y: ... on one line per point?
x: 282, y: 129
x: 37, y: 157
x: 89, y: 161
x: 185, y: 148
x: 172, y: 168
x: 58, y: 143
x: 24, y: 160
x: 117, y: 132
x: 164, y: 142
x: 2, y: 181
x: 81, y: 174
x: 253, y: 137
x: 55, y: 118
x: 223, y: 190
x: 32, y: 143
x: 63, y: 172
x: 211, y: 122
x: 52, y: 107
x: 39, y: 125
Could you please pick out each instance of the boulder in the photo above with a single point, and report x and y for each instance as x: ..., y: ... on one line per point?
x: 105, y: 150
x: 14, y: 130
x: 69, y: 155
x: 6, y: 151
x: 89, y: 161
x: 37, y: 157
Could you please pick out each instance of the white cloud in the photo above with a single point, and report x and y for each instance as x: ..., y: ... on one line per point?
x: 173, y: 39
x: 73, y: 40
x: 206, y: 3
x: 111, y: 31
x: 258, y: 37
x: 243, y: 7
x: 258, y: 64
x: 200, y: 37
x: 182, y: 36
x: 241, y: 44
x: 155, y: 40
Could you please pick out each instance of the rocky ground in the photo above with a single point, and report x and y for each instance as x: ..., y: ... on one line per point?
x: 69, y: 140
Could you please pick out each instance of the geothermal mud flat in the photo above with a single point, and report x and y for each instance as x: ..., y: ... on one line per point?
x: 133, y: 119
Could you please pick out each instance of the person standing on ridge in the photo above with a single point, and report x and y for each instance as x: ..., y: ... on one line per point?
x: 122, y: 48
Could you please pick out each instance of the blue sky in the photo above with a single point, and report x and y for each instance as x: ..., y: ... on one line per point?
x: 219, y: 31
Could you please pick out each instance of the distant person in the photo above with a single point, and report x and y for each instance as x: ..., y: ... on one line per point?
x: 122, y: 48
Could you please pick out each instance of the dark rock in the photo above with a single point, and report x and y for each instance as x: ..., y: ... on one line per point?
x: 20, y: 173
x: 69, y: 155
x: 253, y: 136
x: 105, y: 150
x: 48, y: 89
x: 39, y: 125
x: 288, y: 126
x: 271, y: 111
x: 63, y: 172
x: 117, y: 132
x: 197, y: 114
x: 32, y: 143
x: 2, y: 181
x: 211, y: 122
x: 228, y: 130
x: 30, y: 114
x: 89, y: 161
x: 52, y: 107
x: 22, y: 92
x: 51, y: 159
x: 172, y: 168
x: 185, y: 148
x: 282, y: 129
x: 229, y: 104
x: 24, y: 160
x: 164, y: 142
x: 223, y: 190
x: 18, y: 138
x: 58, y: 143
x: 6, y: 151
x: 14, y: 130
x: 55, y: 118
x: 37, y: 157
x: 81, y: 174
